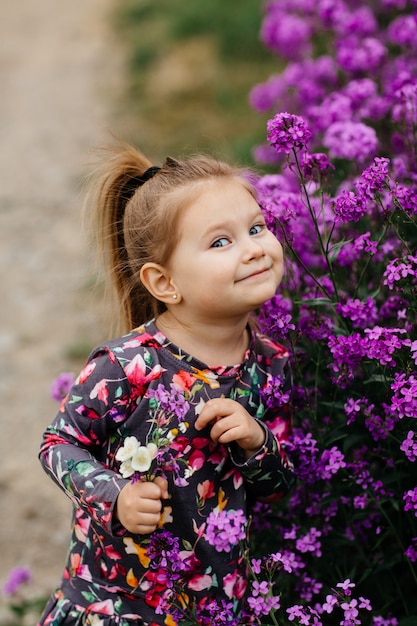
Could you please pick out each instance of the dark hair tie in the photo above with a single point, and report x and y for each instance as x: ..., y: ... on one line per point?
x: 134, y: 182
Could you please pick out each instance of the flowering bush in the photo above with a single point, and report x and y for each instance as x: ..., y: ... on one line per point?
x: 344, y: 203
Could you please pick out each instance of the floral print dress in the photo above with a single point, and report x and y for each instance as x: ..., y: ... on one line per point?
x: 130, y: 387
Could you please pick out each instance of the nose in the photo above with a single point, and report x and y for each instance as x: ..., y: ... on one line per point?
x: 253, y: 250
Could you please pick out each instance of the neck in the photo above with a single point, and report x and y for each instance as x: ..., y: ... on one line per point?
x: 222, y: 342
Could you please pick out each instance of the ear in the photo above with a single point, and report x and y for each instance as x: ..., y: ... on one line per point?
x: 157, y: 280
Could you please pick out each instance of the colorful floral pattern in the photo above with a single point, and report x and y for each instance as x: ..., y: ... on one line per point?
x: 107, y: 579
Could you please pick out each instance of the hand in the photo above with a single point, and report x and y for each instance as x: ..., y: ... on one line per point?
x: 138, y: 506
x: 231, y: 422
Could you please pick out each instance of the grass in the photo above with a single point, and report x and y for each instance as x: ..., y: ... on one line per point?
x: 191, y: 66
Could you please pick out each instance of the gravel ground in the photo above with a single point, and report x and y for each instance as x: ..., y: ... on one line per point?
x: 60, y: 76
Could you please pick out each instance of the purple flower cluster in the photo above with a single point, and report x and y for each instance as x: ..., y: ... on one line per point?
x: 409, y: 446
x: 172, y: 402
x: 225, y: 529
x: 18, y: 576
x: 350, y: 73
x: 344, y: 205
x: 399, y: 269
x: 61, y: 386
x: 273, y: 395
x: 410, y: 499
x: 287, y: 132
x: 404, y: 398
x: 262, y: 601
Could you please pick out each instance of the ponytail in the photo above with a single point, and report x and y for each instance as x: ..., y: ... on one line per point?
x: 110, y: 187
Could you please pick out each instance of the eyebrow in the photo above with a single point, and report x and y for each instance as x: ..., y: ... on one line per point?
x: 227, y: 224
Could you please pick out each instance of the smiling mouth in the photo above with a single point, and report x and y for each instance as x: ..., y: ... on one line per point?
x: 255, y: 274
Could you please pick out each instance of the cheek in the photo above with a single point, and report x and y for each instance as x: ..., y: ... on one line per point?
x: 278, y: 256
x: 277, y: 252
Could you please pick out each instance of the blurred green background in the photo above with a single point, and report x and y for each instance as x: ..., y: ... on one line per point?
x: 191, y: 66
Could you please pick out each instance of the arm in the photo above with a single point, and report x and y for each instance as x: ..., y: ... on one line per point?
x: 254, y: 448
x: 74, y: 448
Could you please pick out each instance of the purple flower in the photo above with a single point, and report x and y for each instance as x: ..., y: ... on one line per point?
x: 336, y: 107
x: 346, y: 586
x: 374, y: 179
x: 298, y: 612
x: 356, y: 55
x: 286, y: 34
x: 164, y: 552
x: 351, y: 140
x: 410, y: 499
x: 411, y: 551
x: 404, y: 399
x: 331, y: 461
x: 361, y: 314
x: 406, y: 198
x: 347, y: 353
x: 403, y: 31
x: 310, y: 542
x: 17, y: 577
x: 353, y: 408
x: 225, y: 529
x: 362, y: 94
x: 287, y: 132
x: 290, y: 562
x: 352, y: 250
x: 172, y: 401
x: 404, y: 109
x: 329, y: 605
x: 409, y: 446
x: 381, y: 343
x: 273, y: 395
x: 314, y: 325
x: 380, y: 621
x: 304, y: 452
x: 399, y: 269
x: 349, y: 207
x: 316, y: 165
x: 61, y: 386
x: 350, y: 612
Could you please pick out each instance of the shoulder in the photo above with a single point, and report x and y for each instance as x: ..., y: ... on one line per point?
x: 129, y: 345
x: 135, y: 355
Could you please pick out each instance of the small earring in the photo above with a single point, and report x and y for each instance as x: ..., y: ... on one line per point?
x: 174, y: 296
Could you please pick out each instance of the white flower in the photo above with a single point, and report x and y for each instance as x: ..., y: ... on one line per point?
x: 128, y: 449
x: 142, y: 459
x: 126, y: 469
x: 153, y: 449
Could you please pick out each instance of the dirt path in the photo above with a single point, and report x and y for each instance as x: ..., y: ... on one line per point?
x: 59, y: 74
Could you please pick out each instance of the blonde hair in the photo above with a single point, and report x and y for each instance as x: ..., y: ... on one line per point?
x: 136, y: 222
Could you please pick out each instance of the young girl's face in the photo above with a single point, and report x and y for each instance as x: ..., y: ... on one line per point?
x: 226, y: 262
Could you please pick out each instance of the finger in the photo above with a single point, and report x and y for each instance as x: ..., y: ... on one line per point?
x: 224, y: 432
x: 163, y: 485
x: 148, y: 489
x: 149, y: 507
x: 148, y: 519
x: 212, y: 411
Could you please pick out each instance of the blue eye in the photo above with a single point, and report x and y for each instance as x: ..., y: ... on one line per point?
x: 220, y: 243
x: 256, y: 229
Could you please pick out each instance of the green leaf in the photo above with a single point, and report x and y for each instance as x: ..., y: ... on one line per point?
x: 89, y: 596
x: 83, y: 468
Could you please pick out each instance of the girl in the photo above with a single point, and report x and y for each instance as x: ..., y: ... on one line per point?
x: 174, y: 422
